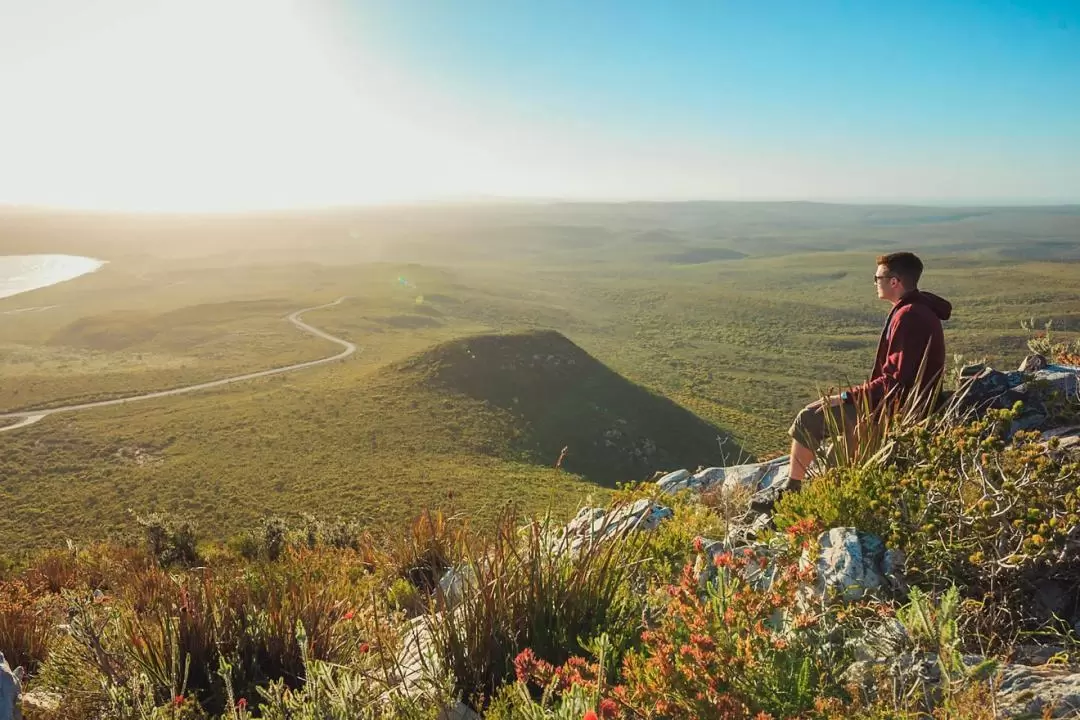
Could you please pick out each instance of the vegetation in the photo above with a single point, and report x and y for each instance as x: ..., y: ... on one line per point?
x: 740, y: 339
x: 258, y: 551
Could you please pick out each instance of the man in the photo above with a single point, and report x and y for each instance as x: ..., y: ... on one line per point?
x: 911, y: 342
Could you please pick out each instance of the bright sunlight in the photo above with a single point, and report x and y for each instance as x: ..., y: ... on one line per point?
x: 215, y: 105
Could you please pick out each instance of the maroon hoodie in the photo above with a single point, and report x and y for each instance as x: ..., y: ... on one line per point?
x: 913, y: 330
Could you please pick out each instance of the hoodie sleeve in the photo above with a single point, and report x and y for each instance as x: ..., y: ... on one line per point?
x: 908, y: 341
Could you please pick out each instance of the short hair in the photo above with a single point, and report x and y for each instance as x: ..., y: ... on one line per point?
x: 904, y: 266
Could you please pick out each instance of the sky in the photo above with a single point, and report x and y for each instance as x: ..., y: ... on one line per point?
x: 208, y: 105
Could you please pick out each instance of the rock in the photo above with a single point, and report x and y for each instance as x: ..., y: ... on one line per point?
x: 984, y: 388
x: 1051, y: 598
x: 460, y: 711
x: 596, y: 524
x: 44, y: 701
x: 765, y: 499
x: 10, y: 689
x: 1038, y: 654
x: 881, y: 642
x: 892, y: 567
x: 850, y: 563
x: 757, y: 476
x: 583, y: 520
x: 418, y: 660
x: 674, y: 482
x: 454, y: 583
x: 1025, y: 691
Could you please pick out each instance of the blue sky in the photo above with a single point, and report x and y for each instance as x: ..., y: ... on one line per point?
x: 973, y: 81
x: 950, y: 101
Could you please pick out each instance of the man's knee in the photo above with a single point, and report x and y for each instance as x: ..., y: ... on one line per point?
x: 808, y: 428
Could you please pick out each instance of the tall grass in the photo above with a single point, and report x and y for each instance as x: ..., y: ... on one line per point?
x: 526, y: 592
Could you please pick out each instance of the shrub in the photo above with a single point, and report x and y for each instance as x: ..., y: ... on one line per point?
x: 335, y: 691
x: 176, y: 630
x: 429, y: 546
x: 170, y: 540
x: 965, y: 507
x: 846, y: 496
x: 27, y: 623
x: 750, y: 647
x: 1043, y: 343
x: 275, y: 537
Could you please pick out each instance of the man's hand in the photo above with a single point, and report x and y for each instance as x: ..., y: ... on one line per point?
x: 831, y: 401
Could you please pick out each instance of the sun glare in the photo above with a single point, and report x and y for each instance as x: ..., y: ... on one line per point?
x: 204, y: 104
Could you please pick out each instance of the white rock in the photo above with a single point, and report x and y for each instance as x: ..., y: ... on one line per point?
x: 673, y: 482
x: 455, y: 582
x: 845, y: 566
x: 1025, y: 691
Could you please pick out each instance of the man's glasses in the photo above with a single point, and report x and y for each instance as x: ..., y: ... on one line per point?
x: 882, y: 277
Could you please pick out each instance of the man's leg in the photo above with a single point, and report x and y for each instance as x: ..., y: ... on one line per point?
x: 807, y: 432
x: 801, y: 457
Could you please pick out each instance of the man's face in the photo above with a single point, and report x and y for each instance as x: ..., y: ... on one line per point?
x: 888, y: 287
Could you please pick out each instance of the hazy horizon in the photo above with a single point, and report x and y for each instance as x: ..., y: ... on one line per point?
x: 255, y: 105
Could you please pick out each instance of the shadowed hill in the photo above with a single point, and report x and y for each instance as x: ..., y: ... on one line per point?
x: 560, y: 396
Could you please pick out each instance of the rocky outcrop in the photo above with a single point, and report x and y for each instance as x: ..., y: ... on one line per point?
x: 1045, y: 691
x: 1036, y: 383
x: 757, y: 476
x: 597, y: 524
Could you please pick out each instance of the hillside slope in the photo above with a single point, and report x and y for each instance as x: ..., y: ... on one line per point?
x: 555, y: 395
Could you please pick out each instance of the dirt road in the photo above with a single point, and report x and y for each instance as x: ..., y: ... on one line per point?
x: 29, y: 417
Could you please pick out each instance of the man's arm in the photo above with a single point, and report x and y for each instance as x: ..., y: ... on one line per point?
x: 903, y: 357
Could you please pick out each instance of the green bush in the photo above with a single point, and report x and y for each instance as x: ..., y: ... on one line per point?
x: 171, y: 540
x: 965, y: 506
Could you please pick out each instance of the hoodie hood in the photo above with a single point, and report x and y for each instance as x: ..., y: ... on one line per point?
x: 939, y: 305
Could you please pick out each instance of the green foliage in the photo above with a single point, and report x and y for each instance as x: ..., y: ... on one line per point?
x: 746, y: 647
x: 171, y: 540
x: 335, y: 692
x: 1066, y: 351
x: 847, y: 496
x: 964, y: 506
x: 403, y: 595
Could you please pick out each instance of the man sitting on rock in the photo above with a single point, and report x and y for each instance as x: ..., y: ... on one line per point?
x: 911, y: 351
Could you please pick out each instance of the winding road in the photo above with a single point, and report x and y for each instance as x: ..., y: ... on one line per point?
x: 29, y: 417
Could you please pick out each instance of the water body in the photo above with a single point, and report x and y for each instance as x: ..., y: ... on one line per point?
x: 20, y: 273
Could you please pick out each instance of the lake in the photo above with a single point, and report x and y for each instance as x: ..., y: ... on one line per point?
x: 20, y: 273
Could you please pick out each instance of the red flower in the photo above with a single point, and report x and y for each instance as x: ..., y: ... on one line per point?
x: 241, y: 704
x: 348, y: 615
x: 608, y: 708
x: 364, y: 647
x: 590, y: 715
x: 178, y: 700
x: 699, y: 544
